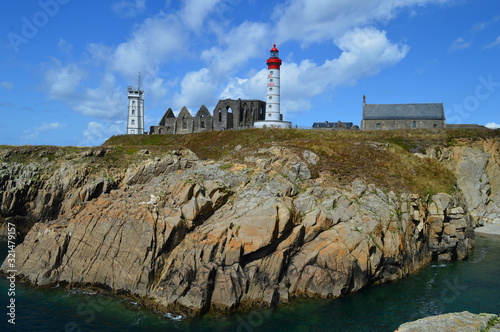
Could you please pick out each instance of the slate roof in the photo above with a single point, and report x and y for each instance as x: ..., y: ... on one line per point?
x: 331, y: 124
x: 403, y: 111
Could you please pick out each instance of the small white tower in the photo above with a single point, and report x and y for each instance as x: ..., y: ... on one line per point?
x: 135, y: 121
x: 273, y: 117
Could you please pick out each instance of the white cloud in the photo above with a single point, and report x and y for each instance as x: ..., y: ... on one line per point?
x: 364, y: 53
x: 194, y: 12
x: 64, y: 83
x: 316, y: 21
x: 128, y: 8
x: 31, y: 134
x: 483, y: 25
x: 492, y: 125
x: 197, y: 88
x: 154, y: 42
x: 6, y: 85
x: 459, y: 44
x: 97, y: 133
x: 495, y: 43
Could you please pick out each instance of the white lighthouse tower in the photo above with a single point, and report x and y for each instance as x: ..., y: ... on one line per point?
x: 135, y: 121
x: 273, y: 118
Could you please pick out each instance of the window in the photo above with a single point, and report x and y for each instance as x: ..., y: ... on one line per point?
x: 220, y: 115
x: 271, y: 72
x: 434, y: 125
x: 202, y: 121
x: 378, y: 125
x: 270, y: 97
x: 132, y: 122
x: 133, y: 111
x: 414, y: 125
x: 184, y: 122
x: 270, y: 89
x: 270, y: 106
x: 270, y: 80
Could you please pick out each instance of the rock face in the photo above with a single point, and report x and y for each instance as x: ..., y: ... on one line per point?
x: 477, y: 168
x: 460, y: 321
x: 189, y: 236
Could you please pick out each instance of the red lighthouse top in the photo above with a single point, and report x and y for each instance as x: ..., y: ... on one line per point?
x: 274, y: 62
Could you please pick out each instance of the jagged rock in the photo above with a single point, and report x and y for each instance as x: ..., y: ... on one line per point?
x: 459, y: 321
x: 190, y: 236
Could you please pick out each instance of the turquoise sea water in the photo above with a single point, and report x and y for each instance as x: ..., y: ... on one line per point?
x: 472, y: 285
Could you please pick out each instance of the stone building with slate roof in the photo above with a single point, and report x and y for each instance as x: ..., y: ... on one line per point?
x: 402, y: 116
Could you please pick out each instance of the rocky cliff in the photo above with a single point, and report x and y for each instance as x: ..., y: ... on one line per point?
x: 257, y: 227
x: 457, y: 321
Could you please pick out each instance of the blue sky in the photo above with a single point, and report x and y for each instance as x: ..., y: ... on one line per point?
x: 65, y: 64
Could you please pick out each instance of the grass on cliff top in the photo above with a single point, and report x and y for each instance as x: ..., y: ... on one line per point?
x: 385, y: 158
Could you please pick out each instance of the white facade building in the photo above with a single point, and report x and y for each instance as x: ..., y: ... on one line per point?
x: 135, y: 121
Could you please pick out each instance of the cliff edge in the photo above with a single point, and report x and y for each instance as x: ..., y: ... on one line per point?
x: 190, y: 227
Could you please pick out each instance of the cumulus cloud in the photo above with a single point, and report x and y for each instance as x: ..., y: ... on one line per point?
x: 167, y: 37
x: 364, y: 53
x: 154, y: 42
x: 316, y: 21
x: 31, y: 134
x: 97, y: 133
x: 197, y: 88
x: 194, y: 12
x: 128, y: 8
x: 492, y: 125
x: 64, y: 83
x: 6, y: 85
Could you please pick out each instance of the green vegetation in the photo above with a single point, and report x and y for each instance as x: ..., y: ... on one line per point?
x: 385, y: 158
x: 491, y: 323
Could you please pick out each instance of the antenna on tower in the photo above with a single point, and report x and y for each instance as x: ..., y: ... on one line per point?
x: 139, y: 81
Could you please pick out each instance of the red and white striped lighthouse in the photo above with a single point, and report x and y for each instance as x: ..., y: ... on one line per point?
x: 273, y: 116
x: 273, y: 86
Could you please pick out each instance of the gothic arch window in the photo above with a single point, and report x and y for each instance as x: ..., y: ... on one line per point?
x: 414, y: 125
x: 220, y: 115
x: 184, y: 122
